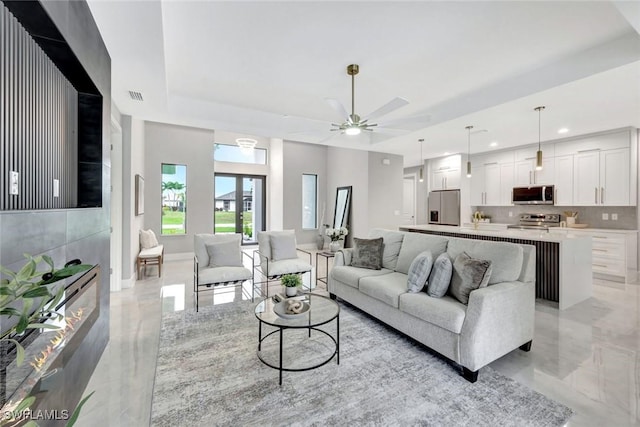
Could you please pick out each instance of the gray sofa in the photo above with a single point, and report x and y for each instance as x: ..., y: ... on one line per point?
x: 498, y: 319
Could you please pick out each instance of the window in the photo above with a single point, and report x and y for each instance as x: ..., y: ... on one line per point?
x: 174, y: 199
x: 309, y: 201
x: 235, y: 154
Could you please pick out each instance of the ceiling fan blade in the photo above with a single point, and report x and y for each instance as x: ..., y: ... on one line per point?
x: 339, y: 108
x: 387, y: 108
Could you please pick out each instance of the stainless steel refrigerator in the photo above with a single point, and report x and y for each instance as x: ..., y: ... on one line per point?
x: 444, y: 207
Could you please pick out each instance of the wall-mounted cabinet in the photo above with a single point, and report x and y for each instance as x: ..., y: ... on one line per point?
x: 601, y: 178
x: 445, y: 173
x: 598, y: 170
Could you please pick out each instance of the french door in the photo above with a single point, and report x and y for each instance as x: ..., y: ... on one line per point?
x: 240, y: 205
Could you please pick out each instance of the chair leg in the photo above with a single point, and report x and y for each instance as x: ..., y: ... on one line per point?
x: 196, y: 300
x: 160, y: 266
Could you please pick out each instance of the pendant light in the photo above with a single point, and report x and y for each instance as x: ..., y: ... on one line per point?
x: 539, y: 153
x: 421, y: 161
x: 468, y: 128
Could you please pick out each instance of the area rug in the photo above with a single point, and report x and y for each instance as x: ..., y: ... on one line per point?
x: 208, y: 374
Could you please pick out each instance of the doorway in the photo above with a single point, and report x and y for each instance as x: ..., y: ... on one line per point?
x: 409, y: 200
x: 240, y: 205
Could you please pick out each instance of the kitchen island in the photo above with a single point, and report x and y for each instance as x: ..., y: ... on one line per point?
x: 563, y: 261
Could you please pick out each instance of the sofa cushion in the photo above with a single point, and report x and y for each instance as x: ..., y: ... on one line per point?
x: 351, y: 275
x: 387, y: 288
x: 367, y: 253
x: 414, y: 243
x: 283, y: 246
x: 392, y: 242
x: 154, y: 252
x: 286, y: 266
x: 419, y: 272
x: 223, y: 274
x: 506, y: 258
x: 224, y: 254
x: 468, y: 274
x: 445, y: 312
x: 440, y: 276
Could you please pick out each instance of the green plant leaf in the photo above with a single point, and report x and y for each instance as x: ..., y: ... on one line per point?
x: 36, y: 293
x: 76, y: 413
x: 9, y: 311
x: 22, y: 323
x: 49, y: 261
x: 5, y: 290
x: 26, y: 272
x: 42, y: 326
x: 8, y: 272
x: 19, y: 351
x: 65, y: 272
x: 26, y: 402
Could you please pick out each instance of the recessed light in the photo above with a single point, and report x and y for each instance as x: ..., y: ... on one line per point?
x: 446, y: 153
x: 563, y: 130
x: 493, y: 144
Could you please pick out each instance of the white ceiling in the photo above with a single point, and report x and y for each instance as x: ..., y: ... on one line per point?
x: 243, y: 66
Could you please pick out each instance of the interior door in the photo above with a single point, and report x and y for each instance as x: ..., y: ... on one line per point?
x: 409, y: 201
x: 240, y: 205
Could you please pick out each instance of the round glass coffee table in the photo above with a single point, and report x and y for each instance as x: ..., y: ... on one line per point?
x: 322, y: 310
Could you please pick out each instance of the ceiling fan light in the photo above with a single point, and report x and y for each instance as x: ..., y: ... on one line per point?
x: 352, y: 130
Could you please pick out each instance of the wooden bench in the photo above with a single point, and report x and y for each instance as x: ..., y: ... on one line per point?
x: 151, y: 256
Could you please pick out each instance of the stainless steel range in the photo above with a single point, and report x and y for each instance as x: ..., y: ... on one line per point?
x: 533, y: 221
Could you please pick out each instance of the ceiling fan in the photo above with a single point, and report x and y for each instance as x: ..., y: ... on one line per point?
x: 353, y: 124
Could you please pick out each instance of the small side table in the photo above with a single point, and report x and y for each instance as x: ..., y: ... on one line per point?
x: 324, y: 279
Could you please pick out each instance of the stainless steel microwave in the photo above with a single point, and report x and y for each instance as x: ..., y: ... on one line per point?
x: 535, y: 195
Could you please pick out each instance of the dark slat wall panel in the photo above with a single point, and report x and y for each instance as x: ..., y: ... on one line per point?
x: 38, y: 121
x: 547, y: 261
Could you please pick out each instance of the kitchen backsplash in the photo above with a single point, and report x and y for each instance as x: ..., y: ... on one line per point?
x: 592, y: 215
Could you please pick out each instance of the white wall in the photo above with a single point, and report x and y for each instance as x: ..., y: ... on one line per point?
x: 300, y: 158
x: 385, y: 190
x: 347, y: 167
x: 181, y: 145
x: 133, y: 147
x: 422, y: 193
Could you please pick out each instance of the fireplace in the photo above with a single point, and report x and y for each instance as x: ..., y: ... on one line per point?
x: 50, y: 352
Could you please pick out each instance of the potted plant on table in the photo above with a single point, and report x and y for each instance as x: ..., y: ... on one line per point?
x: 291, y: 282
x: 336, y: 234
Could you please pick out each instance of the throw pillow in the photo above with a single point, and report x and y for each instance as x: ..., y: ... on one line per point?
x: 154, y: 239
x: 419, y: 271
x: 468, y: 274
x: 367, y: 253
x: 440, y: 276
x: 283, y: 246
x: 148, y: 239
x: 224, y: 254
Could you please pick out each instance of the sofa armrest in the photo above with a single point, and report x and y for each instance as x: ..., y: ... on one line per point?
x: 499, y: 319
x: 343, y: 257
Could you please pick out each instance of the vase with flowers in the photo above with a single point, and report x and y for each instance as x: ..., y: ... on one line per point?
x: 335, y: 235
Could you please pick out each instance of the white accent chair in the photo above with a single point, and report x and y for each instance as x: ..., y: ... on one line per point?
x: 277, y: 255
x: 218, y: 262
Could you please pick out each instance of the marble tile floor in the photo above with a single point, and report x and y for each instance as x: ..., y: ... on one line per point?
x: 586, y: 357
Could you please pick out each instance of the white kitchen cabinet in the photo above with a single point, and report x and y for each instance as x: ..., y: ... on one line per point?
x: 614, y: 177
x: 563, y: 180
x: 526, y: 173
x: 601, y: 178
x: 445, y: 173
x: 506, y: 184
x: 613, y: 252
x: 486, y: 185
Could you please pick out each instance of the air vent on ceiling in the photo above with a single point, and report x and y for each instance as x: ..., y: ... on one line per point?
x: 136, y: 96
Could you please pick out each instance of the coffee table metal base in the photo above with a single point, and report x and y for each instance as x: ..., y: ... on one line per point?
x: 280, y: 332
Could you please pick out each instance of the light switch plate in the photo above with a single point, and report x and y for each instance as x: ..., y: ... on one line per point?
x: 14, y: 179
x: 605, y: 217
x: 614, y: 217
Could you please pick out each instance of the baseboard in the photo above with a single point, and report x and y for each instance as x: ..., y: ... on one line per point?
x: 181, y: 256
x: 129, y: 283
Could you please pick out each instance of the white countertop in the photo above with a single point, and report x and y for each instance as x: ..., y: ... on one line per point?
x: 542, y: 236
